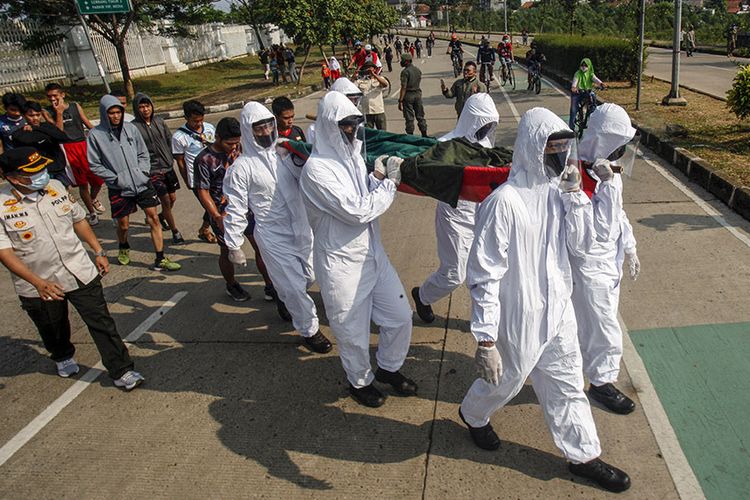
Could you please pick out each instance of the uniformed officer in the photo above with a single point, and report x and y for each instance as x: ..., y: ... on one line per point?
x: 410, y: 97
x: 40, y: 244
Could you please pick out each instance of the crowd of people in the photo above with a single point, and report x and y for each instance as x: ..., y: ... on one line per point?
x: 542, y: 261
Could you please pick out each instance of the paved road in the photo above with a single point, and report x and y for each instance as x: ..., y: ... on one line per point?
x: 233, y: 407
x: 710, y: 73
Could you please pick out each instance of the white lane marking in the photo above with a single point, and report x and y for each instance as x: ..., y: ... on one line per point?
x: 734, y: 70
x: 548, y: 82
x: 511, y: 105
x: 711, y: 211
x: 46, y: 416
x: 684, y: 479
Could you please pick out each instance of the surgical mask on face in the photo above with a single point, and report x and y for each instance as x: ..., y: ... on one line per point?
x: 39, y: 181
x: 584, y: 68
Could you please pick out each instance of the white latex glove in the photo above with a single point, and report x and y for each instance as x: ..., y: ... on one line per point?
x: 603, y: 170
x: 237, y: 257
x: 488, y: 363
x: 570, y: 181
x: 634, y: 265
x: 380, y: 166
x: 394, y: 169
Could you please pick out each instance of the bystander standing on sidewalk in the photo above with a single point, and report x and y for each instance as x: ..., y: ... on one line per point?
x: 291, y: 65
x: 51, y: 268
x: 264, y: 60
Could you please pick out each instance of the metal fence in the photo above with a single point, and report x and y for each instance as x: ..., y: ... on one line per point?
x: 143, y: 51
x: 22, y: 69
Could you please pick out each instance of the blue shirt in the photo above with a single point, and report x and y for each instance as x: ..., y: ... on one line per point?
x: 7, y: 127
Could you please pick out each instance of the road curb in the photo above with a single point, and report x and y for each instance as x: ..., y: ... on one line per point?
x: 228, y: 106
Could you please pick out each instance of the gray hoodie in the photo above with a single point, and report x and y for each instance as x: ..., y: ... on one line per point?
x: 123, y: 163
x: 156, y: 134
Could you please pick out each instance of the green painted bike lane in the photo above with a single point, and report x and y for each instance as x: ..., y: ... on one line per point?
x: 702, y: 376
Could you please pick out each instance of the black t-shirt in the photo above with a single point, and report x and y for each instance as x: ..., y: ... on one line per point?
x: 294, y: 134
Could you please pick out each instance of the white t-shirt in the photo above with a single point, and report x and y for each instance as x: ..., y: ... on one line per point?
x: 189, y: 143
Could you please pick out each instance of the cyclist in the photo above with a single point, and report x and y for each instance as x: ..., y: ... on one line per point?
x: 485, y: 60
x: 534, y: 60
x: 584, y: 81
x: 505, y: 55
x: 455, y: 49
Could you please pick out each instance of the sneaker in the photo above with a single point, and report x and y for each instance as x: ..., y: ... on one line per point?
x: 130, y: 380
x: 269, y: 294
x: 93, y: 219
x: 237, y: 293
x: 177, y: 239
x: 164, y: 223
x: 67, y: 367
x: 167, y: 265
x: 611, y: 397
x: 318, y: 343
x: 608, y: 477
x: 123, y: 256
x: 98, y: 206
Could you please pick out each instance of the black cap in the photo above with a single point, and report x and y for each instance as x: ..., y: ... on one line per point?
x: 25, y: 159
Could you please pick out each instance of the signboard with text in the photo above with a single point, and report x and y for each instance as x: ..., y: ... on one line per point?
x: 92, y: 7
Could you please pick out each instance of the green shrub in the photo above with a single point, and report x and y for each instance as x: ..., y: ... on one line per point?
x: 738, y: 97
x: 614, y: 59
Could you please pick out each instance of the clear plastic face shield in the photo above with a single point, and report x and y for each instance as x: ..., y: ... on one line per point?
x: 264, y: 133
x: 352, y: 128
x: 486, y: 134
x: 356, y: 98
x: 559, y: 153
x: 622, y: 159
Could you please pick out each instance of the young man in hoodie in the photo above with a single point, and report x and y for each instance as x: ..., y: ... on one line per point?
x: 158, y: 139
x: 118, y: 154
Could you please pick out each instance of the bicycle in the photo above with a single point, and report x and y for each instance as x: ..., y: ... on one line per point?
x: 536, y: 78
x: 587, y: 100
x: 485, y: 74
x: 507, y: 73
x: 457, y: 63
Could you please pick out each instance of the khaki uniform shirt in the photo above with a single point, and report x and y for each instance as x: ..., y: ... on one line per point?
x: 373, y: 95
x: 39, y: 229
x: 411, y: 79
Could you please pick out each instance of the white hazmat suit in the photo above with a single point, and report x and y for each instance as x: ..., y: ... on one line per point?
x: 343, y: 85
x: 454, y: 227
x: 357, y: 281
x: 520, y: 284
x: 597, y: 274
x: 259, y: 181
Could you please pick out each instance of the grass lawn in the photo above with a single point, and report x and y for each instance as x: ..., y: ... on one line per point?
x: 713, y: 132
x: 234, y: 80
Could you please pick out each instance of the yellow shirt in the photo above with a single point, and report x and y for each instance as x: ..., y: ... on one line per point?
x: 372, y: 102
x: 39, y: 229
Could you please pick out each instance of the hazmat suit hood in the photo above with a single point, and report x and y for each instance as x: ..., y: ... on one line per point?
x: 137, y: 101
x: 479, y: 111
x: 254, y: 112
x: 535, y: 127
x: 608, y: 128
x: 107, y: 102
x: 346, y: 87
x: 329, y: 142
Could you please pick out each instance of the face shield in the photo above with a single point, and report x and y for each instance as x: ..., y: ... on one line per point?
x: 352, y: 129
x: 264, y: 133
x: 487, y: 131
x: 622, y: 159
x: 356, y: 98
x: 559, y: 152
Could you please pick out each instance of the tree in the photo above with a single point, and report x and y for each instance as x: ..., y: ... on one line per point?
x: 255, y: 13
x: 148, y: 14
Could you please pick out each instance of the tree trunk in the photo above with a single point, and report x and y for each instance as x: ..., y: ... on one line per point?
x: 122, y: 58
x: 304, y: 63
x: 257, y: 35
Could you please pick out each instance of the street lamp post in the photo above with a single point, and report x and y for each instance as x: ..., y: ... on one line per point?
x: 674, y: 99
x: 505, y: 11
x: 641, y: 35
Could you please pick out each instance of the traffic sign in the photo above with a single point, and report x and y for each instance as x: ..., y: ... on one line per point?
x: 91, y: 7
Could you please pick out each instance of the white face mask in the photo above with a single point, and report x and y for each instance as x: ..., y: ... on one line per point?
x: 39, y: 181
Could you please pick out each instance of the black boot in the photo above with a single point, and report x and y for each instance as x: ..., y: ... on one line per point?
x: 318, y: 343
x: 402, y: 385
x: 282, y: 310
x: 611, y: 397
x: 608, y: 477
x: 483, y: 437
x: 424, y: 311
x: 368, y: 395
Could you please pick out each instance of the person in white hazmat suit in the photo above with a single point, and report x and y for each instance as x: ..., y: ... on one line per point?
x: 257, y: 181
x: 454, y: 227
x: 346, y: 87
x: 357, y: 281
x: 520, y: 284
x: 607, y: 141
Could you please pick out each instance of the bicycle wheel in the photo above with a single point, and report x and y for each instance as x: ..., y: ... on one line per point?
x: 538, y: 84
x: 512, y: 76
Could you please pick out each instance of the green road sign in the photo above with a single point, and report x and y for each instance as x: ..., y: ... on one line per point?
x: 103, y: 6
